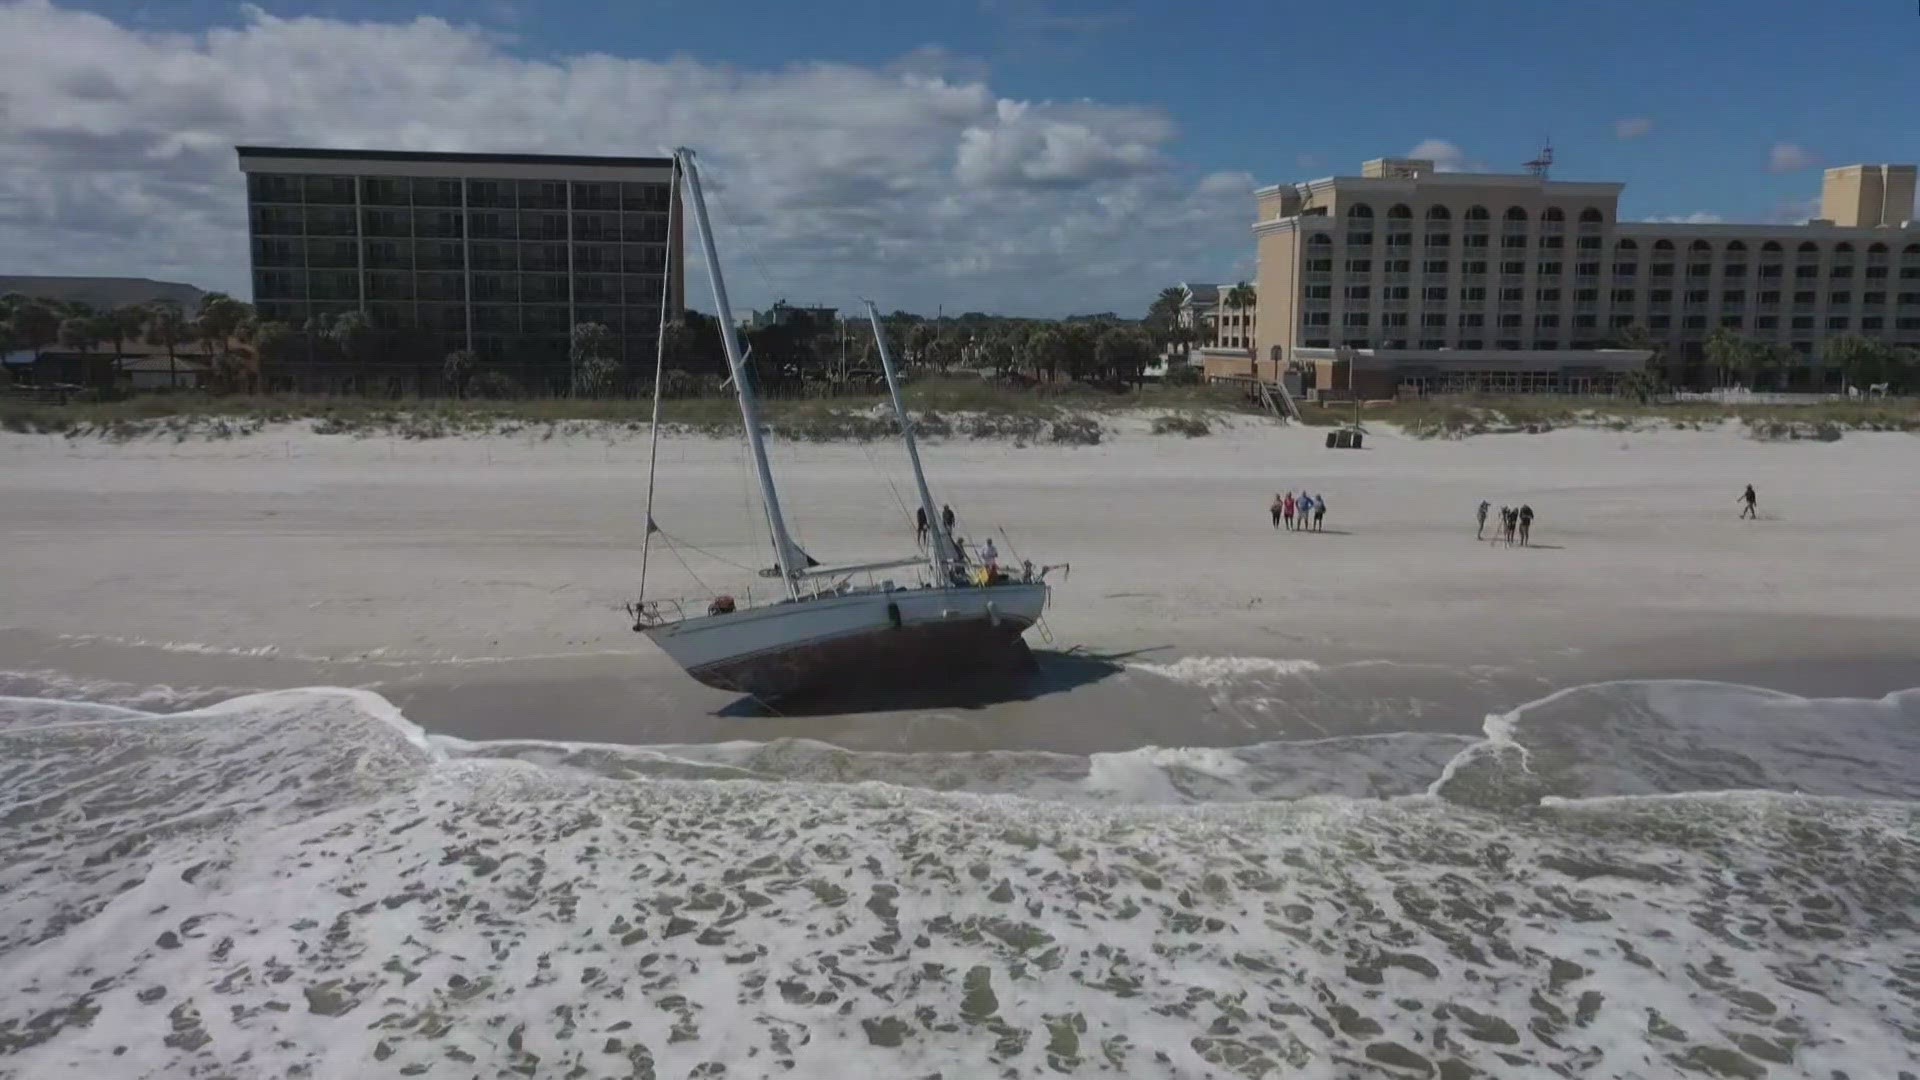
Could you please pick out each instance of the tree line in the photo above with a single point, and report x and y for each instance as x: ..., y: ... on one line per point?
x: 38, y: 324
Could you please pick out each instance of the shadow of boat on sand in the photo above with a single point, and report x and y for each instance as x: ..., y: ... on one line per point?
x: 1042, y: 673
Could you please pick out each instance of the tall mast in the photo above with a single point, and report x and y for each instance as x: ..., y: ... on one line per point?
x: 941, y: 554
x: 659, y: 372
x: 783, y: 547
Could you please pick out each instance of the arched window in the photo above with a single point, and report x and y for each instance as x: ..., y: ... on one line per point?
x: 1771, y: 247
x: 1439, y: 213
x: 1553, y: 213
x: 1876, y: 248
x: 1360, y: 210
x: 1590, y: 216
x: 1736, y: 245
x: 1319, y: 240
x: 1843, y: 248
x: 1400, y: 211
x: 1808, y: 247
x: 1910, y: 251
x: 1514, y: 213
x: 1701, y: 247
x: 1663, y: 245
x: 1478, y: 213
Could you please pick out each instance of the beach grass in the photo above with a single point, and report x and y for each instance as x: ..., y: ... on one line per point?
x: 1461, y: 417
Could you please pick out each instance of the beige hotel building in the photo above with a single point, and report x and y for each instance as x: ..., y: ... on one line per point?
x: 1408, y: 261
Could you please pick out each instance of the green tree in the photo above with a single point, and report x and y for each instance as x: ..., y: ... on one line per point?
x: 1860, y: 361
x: 220, y: 319
x: 352, y: 333
x: 1163, y: 317
x: 457, y: 371
x: 78, y: 334
x: 592, y: 350
x: 1728, y: 352
x: 1047, y: 351
x: 1122, y: 353
x: 168, y: 328
x: 36, y: 324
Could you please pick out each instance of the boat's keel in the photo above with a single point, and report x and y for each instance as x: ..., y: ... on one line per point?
x: 965, y: 654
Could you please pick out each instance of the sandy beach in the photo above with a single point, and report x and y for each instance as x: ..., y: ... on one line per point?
x: 330, y: 756
x: 471, y: 578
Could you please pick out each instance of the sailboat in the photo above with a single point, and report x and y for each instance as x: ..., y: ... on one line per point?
x: 961, y: 622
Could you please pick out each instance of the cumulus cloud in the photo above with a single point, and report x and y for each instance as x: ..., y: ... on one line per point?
x: 1632, y: 128
x: 1788, y: 157
x: 1698, y: 217
x: 1446, y: 157
x: 913, y: 181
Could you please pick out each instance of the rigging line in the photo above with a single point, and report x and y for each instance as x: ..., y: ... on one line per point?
x: 690, y: 546
x: 675, y: 551
x: 659, y: 372
x: 890, y: 484
x: 753, y: 253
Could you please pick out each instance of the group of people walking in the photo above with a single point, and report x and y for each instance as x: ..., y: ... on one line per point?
x: 1307, y: 513
x: 1515, y: 524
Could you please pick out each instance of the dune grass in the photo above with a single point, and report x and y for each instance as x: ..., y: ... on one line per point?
x: 1458, y: 418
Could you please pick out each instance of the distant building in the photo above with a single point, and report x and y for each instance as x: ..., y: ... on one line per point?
x: 1405, y: 259
x: 103, y: 293
x: 785, y: 314
x: 501, y: 254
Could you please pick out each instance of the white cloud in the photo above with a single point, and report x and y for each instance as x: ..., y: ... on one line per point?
x: 914, y: 181
x: 1698, y: 217
x: 1446, y: 157
x: 1795, y: 211
x: 1788, y: 157
x: 1632, y: 128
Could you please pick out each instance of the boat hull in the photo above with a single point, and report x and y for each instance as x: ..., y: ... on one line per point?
x: 903, y: 640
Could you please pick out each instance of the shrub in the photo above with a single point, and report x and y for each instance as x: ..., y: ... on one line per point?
x: 1076, y: 431
x: 1190, y: 425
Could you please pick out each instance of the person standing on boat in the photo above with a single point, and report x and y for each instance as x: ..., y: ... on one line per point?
x: 920, y: 526
x: 946, y: 519
x: 990, y: 555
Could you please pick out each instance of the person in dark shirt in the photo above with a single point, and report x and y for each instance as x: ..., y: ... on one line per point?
x: 1526, y: 523
x: 946, y: 519
x: 1752, y: 502
x: 920, y: 526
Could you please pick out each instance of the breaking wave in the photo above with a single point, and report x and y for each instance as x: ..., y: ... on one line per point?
x: 1619, y: 880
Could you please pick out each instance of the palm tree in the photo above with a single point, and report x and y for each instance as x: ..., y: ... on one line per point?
x: 220, y: 317
x: 77, y: 335
x: 1238, y: 300
x: 167, y: 327
x: 1164, y: 314
x: 1727, y: 352
x: 352, y: 333
x: 457, y: 371
x: 1861, y: 361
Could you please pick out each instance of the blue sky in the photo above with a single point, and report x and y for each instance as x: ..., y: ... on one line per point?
x: 1707, y: 107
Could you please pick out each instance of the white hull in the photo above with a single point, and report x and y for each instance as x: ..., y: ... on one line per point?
x: 909, y: 635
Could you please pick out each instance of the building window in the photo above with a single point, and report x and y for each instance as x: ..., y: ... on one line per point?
x: 1625, y: 270
x: 1433, y: 343
x: 1733, y: 296
x: 1619, y: 322
x: 1399, y: 266
x: 1509, y: 322
x: 1731, y: 322
x: 1906, y: 324
x: 1803, y: 322
x: 1736, y: 270
x: 1661, y: 296
x: 1472, y: 319
x: 1551, y: 242
x: 1623, y: 296
x: 1393, y: 319
x: 1586, y: 296
x: 1475, y: 240
x: 1434, y: 320
x: 1871, y: 322
x: 1319, y: 266
x: 1509, y: 343
x: 1546, y: 322
x: 1549, y: 269
x: 1547, y: 296
x: 1318, y: 318
x: 1806, y: 271
x: 1589, y: 243
x: 1699, y: 270
x: 1842, y: 272
x: 1771, y: 296
x: 1586, y: 322
x: 1770, y: 270
x: 1317, y: 343
x: 1434, y: 292
x: 1659, y: 322
x: 1319, y: 292
x: 1837, y: 322
x: 1513, y: 294
x: 1662, y: 269
x: 1696, y: 296
x: 1840, y: 299
x: 1358, y: 292
x: 1359, y: 239
x: 1473, y: 343
x: 1514, y: 240
x: 1767, y: 322
x: 1874, y: 298
x: 1359, y: 266
x: 1587, y: 269
x: 1475, y: 268
x: 1395, y: 292
x: 1694, y: 322
x: 1437, y: 267
x: 1354, y: 318
x: 1805, y: 297
x: 1474, y: 294
x: 1513, y: 268
x: 1439, y: 240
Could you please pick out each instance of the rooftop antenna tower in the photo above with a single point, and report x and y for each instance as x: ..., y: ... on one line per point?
x: 1538, y: 166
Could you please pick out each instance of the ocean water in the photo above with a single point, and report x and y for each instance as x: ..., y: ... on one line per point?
x: 1627, y: 879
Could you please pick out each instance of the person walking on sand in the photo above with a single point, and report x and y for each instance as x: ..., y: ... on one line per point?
x: 1480, y: 520
x: 1286, y: 510
x: 1279, y: 504
x: 1752, y: 503
x: 1319, y: 512
x: 1526, y: 523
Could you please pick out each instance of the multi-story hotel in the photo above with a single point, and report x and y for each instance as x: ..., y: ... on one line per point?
x: 501, y: 254
x: 1406, y: 260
